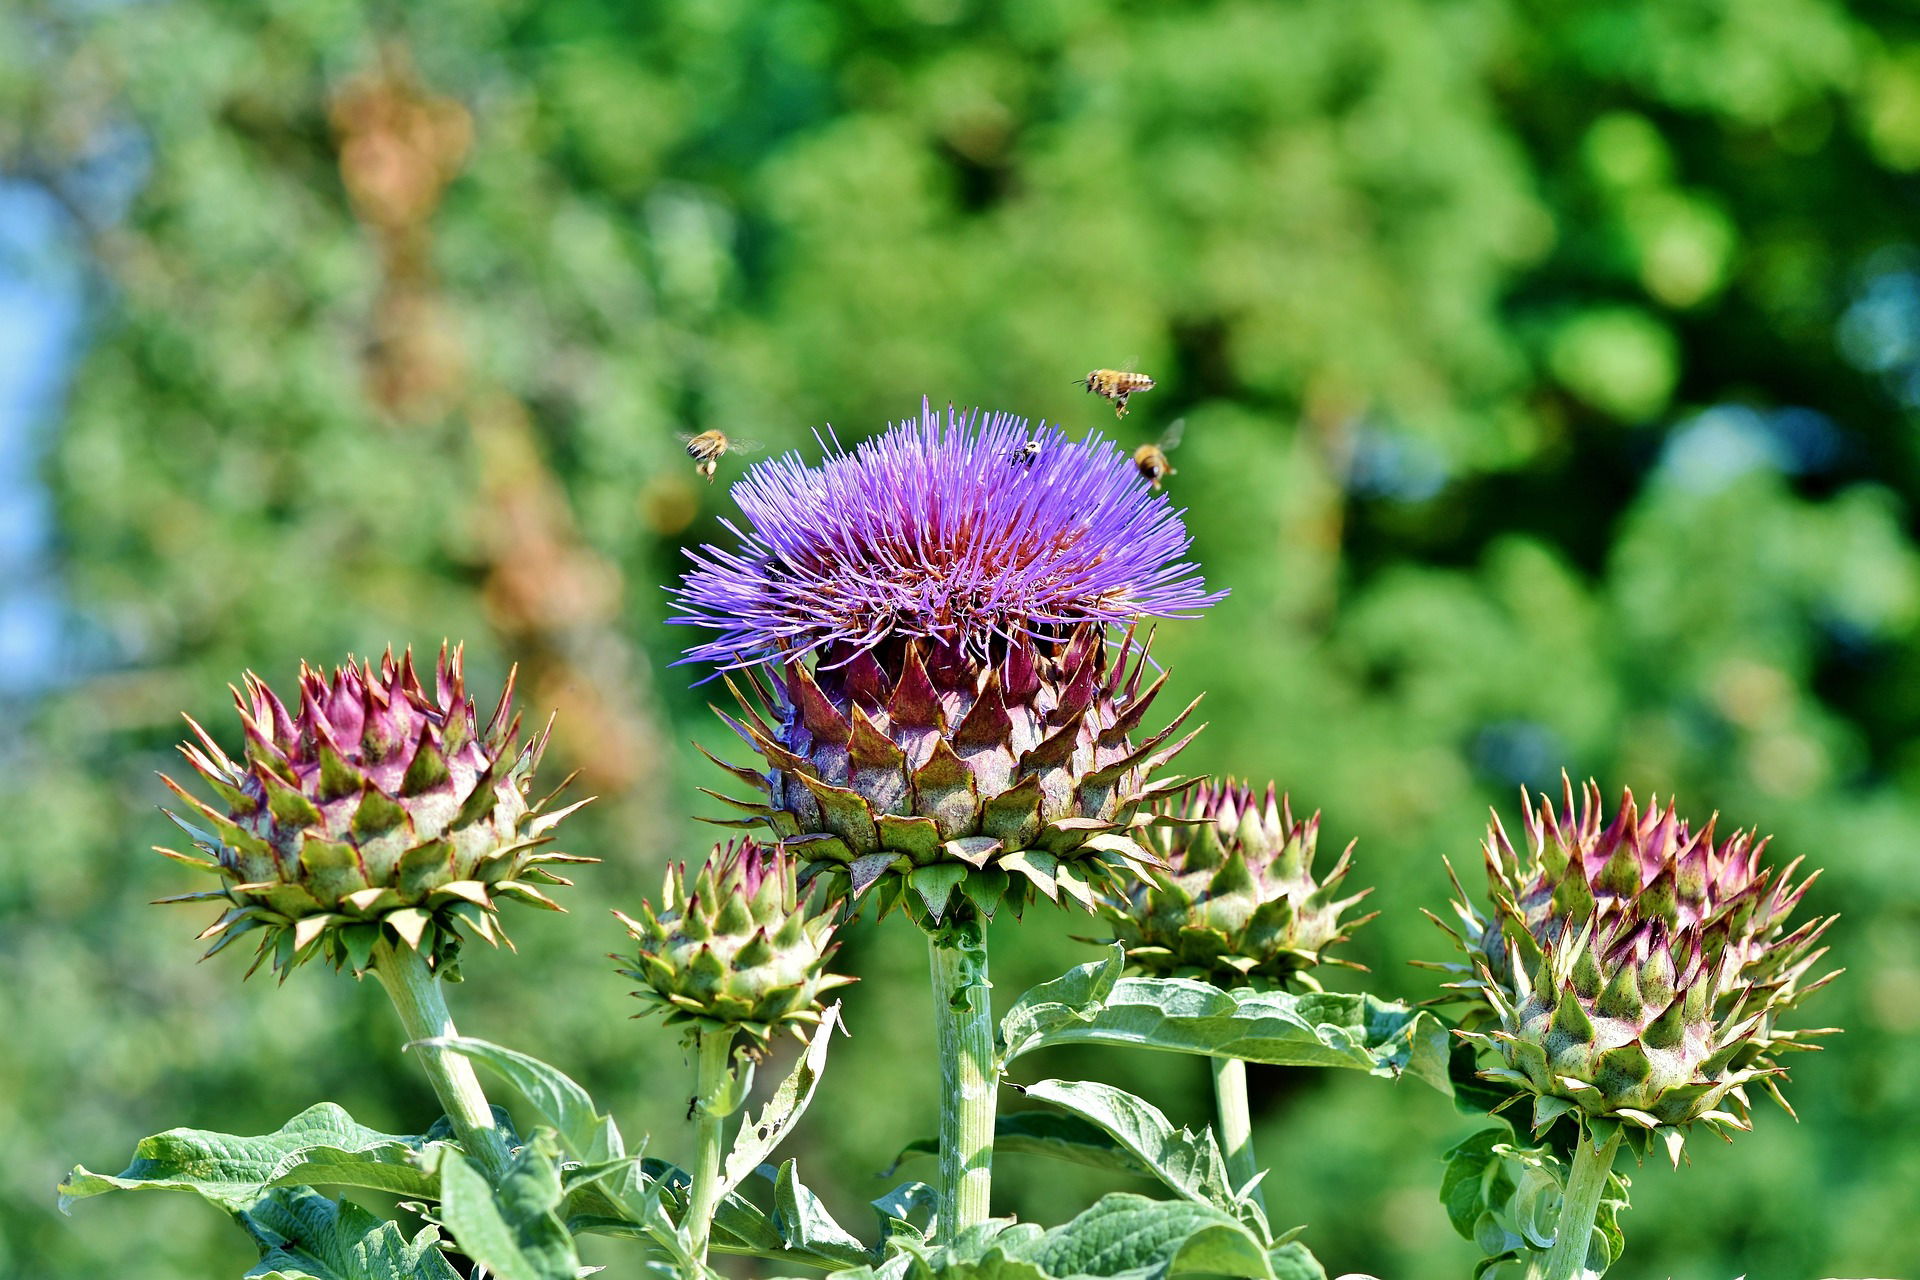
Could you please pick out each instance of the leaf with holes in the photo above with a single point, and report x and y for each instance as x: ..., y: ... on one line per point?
x: 762, y: 1133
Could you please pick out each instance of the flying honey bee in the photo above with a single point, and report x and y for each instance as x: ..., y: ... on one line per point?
x: 707, y: 448
x: 1151, y: 459
x: 1116, y: 385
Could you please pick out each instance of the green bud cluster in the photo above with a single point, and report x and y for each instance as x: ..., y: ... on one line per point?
x: 1234, y: 898
x: 737, y: 947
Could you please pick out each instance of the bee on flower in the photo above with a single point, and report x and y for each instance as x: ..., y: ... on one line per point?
x: 940, y: 641
x: 1026, y: 455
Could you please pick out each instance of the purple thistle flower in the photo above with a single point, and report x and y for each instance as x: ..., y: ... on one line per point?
x: 940, y: 529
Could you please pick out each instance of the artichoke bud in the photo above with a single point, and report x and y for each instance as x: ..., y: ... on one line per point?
x: 932, y: 775
x: 741, y: 948
x: 1633, y: 971
x: 1235, y: 899
x: 372, y: 808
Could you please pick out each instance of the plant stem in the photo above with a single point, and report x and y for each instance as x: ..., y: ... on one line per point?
x: 714, y: 1068
x: 1580, y: 1205
x: 417, y: 998
x: 963, y: 1014
x: 1236, y: 1124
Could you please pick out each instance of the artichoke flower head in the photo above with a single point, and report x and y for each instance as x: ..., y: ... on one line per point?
x: 932, y: 642
x: 738, y: 945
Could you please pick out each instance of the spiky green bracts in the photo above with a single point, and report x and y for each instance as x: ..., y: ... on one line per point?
x: 737, y: 947
x: 1634, y: 973
x: 1235, y: 899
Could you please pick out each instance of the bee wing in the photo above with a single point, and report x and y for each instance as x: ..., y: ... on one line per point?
x: 1171, y: 439
x: 685, y: 437
x: 1131, y: 365
x: 736, y: 444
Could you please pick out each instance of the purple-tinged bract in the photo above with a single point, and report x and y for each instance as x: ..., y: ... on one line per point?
x: 1635, y: 971
x: 947, y: 716
x: 371, y: 806
x: 949, y: 530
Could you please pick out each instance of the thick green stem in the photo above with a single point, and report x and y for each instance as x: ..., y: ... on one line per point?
x: 1580, y: 1205
x: 417, y: 997
x: 1236, y: 1124
x: 963, y: 1013
x: 711, y: 1094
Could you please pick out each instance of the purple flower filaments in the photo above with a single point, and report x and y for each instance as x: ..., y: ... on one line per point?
x: 947, y: 528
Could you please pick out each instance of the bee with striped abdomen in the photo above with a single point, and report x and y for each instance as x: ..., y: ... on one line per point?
x: 1116, y: 385
x: 707, y: 448
x: 1151, y: 459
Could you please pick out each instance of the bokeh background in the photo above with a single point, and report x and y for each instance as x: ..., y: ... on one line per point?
x: 1551, y: 377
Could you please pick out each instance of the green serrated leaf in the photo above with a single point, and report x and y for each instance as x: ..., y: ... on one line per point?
x: 585, y: 1134
x: 1122, y: 1237
x: 1291, y: 1261
x: 302, y: 1235
x: 1281, y: 1028
x: 805, y: 1224
x: 1125, y: 1235
x: 739, y: 1225
x: 515, y: 1233
x: 1460, y: 1189
x: 1079, y: 992
x: 760, y: 1134
x: 323, y: 1145
x: 1046, y: 1133
x: 1189, y: 1163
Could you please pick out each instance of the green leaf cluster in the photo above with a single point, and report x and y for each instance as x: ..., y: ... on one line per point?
x: 1506, y: 1199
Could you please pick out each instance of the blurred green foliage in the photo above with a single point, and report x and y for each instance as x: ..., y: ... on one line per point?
x: 1551, y: 375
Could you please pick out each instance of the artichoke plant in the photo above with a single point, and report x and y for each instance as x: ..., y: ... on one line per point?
x: 740, y: 947
x: 945, y: 717
x: 370, y: 808
x: 1234, y: 899
x: 1634, y: 972
x: 946, y: 711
